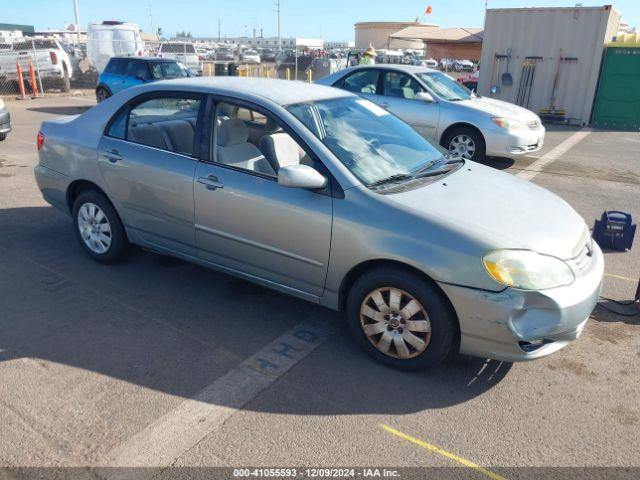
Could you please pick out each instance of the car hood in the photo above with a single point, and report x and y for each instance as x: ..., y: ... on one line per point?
x: 498, y: 108
x: 500, y: 209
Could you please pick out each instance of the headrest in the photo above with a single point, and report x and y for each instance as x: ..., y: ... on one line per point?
x: 272, y: 126
x: 232, y: 132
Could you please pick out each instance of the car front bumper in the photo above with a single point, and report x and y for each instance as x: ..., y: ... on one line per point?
x: 5, y: 121
x: 518, y: 325
x: 506, y: 143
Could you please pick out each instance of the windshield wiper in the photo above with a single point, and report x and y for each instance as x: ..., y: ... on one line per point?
x: 434, y: 173
x: 393, y: 178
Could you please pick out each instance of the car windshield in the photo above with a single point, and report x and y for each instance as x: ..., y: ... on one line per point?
x: 444, y: 86
x: 373, y: 144
x: 162, y: 70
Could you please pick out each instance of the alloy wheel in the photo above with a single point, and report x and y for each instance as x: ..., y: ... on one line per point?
x: 395, y: 322
x: 94, y: 228
x: 463, y: 146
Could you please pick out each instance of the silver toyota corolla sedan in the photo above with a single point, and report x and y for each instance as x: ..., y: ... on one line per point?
x: 444, y: 111
x: 322, y: 194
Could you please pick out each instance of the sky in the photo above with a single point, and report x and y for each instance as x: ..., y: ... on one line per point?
x: 329, y: 19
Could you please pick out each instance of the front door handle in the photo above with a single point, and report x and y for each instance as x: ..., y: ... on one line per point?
x: 112, y: 155
x: 211, y: 182
x: 384, y: 105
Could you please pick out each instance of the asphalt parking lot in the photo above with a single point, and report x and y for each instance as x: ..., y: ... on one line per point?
x: 157, y: 362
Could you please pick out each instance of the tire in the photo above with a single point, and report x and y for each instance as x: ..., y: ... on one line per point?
x: 88, y: 224
x: 436, y: 316
x: 461, y: 134
x: 65, y: 83
x: 3, y: 136
x: 102, y: 94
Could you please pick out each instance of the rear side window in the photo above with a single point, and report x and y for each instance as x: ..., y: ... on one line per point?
x: 115, y: 66
x: 167, y: 123
x: 363, y: 81
x: 160, y: 70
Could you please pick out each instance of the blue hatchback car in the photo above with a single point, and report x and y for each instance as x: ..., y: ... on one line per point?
x: 125, y: 72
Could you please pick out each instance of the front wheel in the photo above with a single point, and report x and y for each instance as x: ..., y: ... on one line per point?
x: 102, y: 94
x: 401, y: 319
x: 465, y: 142
x: 3, y: 136
x: 98, y: 227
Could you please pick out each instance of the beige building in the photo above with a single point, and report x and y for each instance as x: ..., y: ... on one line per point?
x: 379, y: 34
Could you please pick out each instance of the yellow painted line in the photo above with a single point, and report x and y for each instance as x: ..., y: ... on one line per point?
x: 443, y: 452
x: 620, y: 277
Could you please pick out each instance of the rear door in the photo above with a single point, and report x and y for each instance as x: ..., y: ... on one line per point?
x: 148, y: 158
x: 398, y: 92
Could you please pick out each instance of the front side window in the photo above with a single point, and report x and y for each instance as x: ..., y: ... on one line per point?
x: 444, y: 86
x: 166, y: 70
x: 248, y: 140
x: 363, y: 81
x: 373, y: 144
x: 168, y: 123
x: 400, y: 85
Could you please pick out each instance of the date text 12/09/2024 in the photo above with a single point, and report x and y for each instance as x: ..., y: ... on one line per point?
x: 316, y: 472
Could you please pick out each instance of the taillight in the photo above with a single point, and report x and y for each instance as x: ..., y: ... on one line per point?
x: 54, y: 57
x: 40, y: 140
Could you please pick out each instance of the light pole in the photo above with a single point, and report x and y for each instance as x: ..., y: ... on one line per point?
x: 279, y: 35
x: 75, y: 12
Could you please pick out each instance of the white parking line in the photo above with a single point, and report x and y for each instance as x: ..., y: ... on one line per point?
x: 165, y: 440
x: 537, y: 166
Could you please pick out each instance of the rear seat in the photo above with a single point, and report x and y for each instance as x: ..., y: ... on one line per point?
x: 173, y: 135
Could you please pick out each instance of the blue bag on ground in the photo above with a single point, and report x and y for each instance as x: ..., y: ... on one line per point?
x: 614, y: 230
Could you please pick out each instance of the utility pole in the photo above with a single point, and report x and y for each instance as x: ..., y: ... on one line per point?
x: 279, y: 35
x: 75, y: 12
x: 218, y: 29
x: 151, y: 17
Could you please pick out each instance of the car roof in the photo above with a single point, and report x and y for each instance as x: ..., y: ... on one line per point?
x: 146, y: 59
x: 282, y: 92
x: 396, y: 66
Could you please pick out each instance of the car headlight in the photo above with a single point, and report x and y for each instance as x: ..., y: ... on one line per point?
x: 1, y: 104
x: 509, y: 123
x: 527, y: 270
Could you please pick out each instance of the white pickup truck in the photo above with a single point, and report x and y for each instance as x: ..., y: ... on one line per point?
x: 47, y: 55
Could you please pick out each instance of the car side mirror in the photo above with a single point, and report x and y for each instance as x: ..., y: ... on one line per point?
x: 425, y: 96
x: 301, y: 176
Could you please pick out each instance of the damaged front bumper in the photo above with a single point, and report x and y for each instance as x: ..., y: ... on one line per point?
x: 518, y: 325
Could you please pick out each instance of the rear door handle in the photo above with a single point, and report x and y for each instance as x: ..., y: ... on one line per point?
x: 211, y: 182
x: 112, y: 155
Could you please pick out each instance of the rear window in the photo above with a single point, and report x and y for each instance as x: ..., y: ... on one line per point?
x: 177, y: 48
x: 38, y: 44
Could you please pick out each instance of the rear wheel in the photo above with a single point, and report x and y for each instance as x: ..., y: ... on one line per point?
x: 65, y: 83
x: 465, y: 142
x: 102, y: 94
x: 98, y: 227
x: 3, y: 136
x: 401, y: 319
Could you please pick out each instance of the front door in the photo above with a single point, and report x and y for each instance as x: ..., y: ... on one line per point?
x: 398, y: 91
x: 247, y: 222
x: 146, y: 160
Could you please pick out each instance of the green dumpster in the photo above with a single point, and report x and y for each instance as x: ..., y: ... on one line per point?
x: 617, y: 103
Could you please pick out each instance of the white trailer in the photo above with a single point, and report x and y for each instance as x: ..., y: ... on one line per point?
x: 112, y: 39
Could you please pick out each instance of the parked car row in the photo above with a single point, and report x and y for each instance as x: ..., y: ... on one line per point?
x: 324, y: 194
